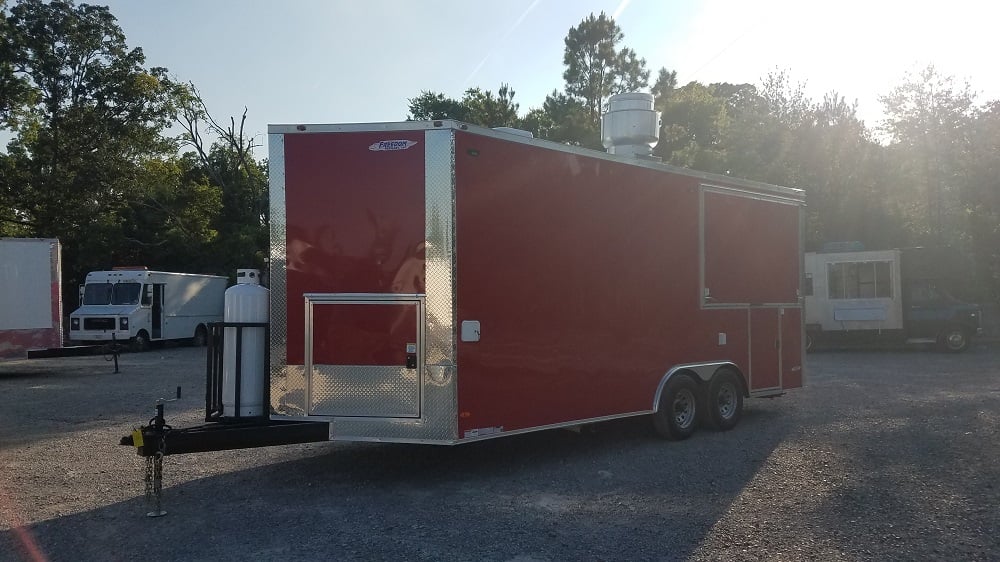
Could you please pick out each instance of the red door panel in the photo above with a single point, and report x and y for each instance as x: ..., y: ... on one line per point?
x: 764, y: 348
x: 791, y: 348
x: 363, y: 334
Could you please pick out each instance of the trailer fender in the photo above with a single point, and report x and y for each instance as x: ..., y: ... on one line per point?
x: 700, y: 372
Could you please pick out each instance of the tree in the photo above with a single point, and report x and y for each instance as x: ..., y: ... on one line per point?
x: 483, y: 108
x: 15, y: 90
x: 477, y: 106
x: 243, y: 213
x: 429, y: 106
x: 663, y: 88
x: 596, y: 68
x: 86, y: 116
x: 983, y: 202
x: 569, y: 122
x: 693, y: 123
x: 928, y: 121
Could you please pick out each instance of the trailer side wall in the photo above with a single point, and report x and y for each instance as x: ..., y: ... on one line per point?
x: 30, y: 295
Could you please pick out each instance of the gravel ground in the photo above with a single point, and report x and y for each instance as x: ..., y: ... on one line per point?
x: 882, y: 456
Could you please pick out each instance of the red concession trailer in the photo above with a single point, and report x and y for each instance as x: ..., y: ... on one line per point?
x: 444, y: 283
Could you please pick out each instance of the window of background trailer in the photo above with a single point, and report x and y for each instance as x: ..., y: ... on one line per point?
x: 860, y: 280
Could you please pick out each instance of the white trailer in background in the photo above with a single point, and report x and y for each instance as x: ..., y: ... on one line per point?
x: 146, y: 306
x: 30, y: 295
x: 904, y: 295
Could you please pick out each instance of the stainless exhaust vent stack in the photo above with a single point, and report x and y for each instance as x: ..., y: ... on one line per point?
x: 631, y: 127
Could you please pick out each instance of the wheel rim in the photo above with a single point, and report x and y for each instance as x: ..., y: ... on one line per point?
x: 956, y: 339
x: 726, y: 401
x: 684, y: 408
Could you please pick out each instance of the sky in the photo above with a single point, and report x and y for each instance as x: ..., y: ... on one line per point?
x: 338, y: 61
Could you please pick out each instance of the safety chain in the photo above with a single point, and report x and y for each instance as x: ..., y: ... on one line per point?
x: 148, y: 480
x: 154, y: 480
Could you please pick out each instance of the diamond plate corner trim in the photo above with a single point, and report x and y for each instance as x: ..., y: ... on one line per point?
x: 287, y: 384
x: 439, y: 193
x: 439, y: 380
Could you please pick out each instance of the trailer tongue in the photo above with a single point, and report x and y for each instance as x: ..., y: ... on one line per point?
x: 234, y: 419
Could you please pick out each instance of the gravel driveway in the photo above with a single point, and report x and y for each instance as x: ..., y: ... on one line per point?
x: 884, y: 455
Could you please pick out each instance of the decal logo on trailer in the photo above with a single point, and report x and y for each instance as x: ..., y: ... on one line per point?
x: 392, y: 145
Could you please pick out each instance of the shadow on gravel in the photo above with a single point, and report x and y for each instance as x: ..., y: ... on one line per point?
x: 918, y: 476
x: 614, y: 493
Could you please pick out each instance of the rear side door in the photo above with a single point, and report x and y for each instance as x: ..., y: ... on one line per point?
x: 363, y: 355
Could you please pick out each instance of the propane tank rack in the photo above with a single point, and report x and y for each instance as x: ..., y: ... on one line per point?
x: 224, y: 431
x: 214, y: 407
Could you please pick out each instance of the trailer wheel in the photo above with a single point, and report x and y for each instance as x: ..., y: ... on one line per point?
x: 200, y: 337
x: 141, y: 341
x: 724, y: 400
x: 676, y: 418
x: 955, y: 339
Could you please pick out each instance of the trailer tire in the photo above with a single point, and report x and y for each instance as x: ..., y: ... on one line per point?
x: 141, y: 341
x: 676, y: 418
x: 200, y: 338
x: 955, y: 339
x: 724, y: 400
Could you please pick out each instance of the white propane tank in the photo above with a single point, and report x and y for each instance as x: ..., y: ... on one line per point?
x: 246, y: 301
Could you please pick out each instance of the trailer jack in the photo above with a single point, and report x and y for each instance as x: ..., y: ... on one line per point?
x: 155, y: 434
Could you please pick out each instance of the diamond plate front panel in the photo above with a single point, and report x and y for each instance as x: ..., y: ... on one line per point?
x: 363, y: 390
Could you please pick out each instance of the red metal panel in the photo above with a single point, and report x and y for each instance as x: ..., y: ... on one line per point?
x: 751, y: 250
x: 791, y: 348
x: 583, y: 273
x: 363, y: 334
x: 355, y: 218
x: 764, y: 348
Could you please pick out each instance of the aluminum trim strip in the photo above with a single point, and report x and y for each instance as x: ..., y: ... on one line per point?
x: 704, y: 370
x: 287, y: 382
x: 749, y: 374
x: 781, y: 348
x: 306, y: 128
x: 736, y: 192
x: 361, y: 298
x: 741, y: 305
x: 560, y: 425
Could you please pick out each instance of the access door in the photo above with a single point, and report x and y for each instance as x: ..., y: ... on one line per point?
x: 364, y: 355
x: 765, y: 348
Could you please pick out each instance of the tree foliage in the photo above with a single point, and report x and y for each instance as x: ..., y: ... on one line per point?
x: 596, y: 67
x: 86, y: 116
x: 90, y: 161
x: 477, y: 106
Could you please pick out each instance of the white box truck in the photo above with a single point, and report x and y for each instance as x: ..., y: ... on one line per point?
x: 31, y: 299
x: 141, y: 306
